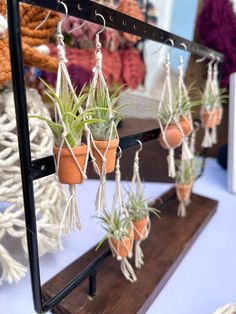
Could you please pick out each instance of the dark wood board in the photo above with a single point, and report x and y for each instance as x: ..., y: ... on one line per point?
x: 169, y: 240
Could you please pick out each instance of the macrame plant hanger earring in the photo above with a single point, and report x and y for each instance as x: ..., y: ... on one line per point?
x: 122, y: 249
x: 142, y: 227
x: 208, y: 108
x: 186, y: 121
x: 171, y: 136
x: 99, y: 154
x: 71, y: 218
x: 219, y: 107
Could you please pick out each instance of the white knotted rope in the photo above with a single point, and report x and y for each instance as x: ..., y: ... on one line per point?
x: 49, y: 195
x: 137, y: 190
x: 118, y: 202
x: 99, y: 81
x: 216, y: 91
x: 181, y: 210
x: 186, y: 152
x: 167, y: 91
x: 207, y: 139
x: 71, y: 219
x: 227, y: 309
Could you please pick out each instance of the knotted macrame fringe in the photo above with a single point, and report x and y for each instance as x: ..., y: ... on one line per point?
x: 139, y: 262
x: 186, y: 151
x: 101, y: 195
x: 182, y: 210
x: 71, y: 218
x: 11, y: 270
x: 214, y: 135
x: 207, y: 139
x: 171, y: 163
x: 127, y: 270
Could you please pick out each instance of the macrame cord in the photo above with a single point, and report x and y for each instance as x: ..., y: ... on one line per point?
x: 71, y: 218
x: 99, y: 81
x: 137, y: 189
x: 207, y: 140
x: 118, y: 202
x: 167, y: 89
x: 216, y: 92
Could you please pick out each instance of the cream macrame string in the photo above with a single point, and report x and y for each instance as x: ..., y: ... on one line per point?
x: 216, y: 92
x: 118, y: 202
x: 98, y: 81
x: 137, y: 189
x: 71, y: 218
x: 207, y: 140
x: 167, y: 87
x: 186, y: 152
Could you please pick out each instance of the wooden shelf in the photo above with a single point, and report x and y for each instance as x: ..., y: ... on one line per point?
x: 169, y: 241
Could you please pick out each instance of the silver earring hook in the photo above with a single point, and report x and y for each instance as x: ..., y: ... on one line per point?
x: 60, y: 24
x: 104, y: 23
x: 77, y: 27
x: 44, y: 21
x: 141, y: 146
x: 169, y: 39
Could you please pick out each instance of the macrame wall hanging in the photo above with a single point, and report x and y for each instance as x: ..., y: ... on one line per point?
x: 139, y: 211
x: 49, y: 195
x: 119, y: 228
x: 171, y: 135
x: 104, y: 135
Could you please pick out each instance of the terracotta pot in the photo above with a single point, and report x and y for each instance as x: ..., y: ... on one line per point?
x: 140, y: 228
x: 183, y: 191
x: 186, y: 126
x: 69, y: 172
x: 121, y: 249
x: 208, y: 119
x: 110, y: 155
x: 219, y: 115
x: 173, y: 137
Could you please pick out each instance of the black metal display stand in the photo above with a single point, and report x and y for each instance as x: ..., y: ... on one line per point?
x: 32, y: 170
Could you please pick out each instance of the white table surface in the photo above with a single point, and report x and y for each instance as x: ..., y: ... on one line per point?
x: 204, y: 280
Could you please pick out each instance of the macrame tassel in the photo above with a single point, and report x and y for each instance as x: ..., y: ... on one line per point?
x: 101, y: 194
x: 71, y: 219
x: 139, y: 262
x: 127, y: 270
x: 214, y: 135
x: 207, y: 140
x: 182, y: 210
x: 171, y: 163
x: 186, y: 152
x: 193, y: 143
x: 12, y: 271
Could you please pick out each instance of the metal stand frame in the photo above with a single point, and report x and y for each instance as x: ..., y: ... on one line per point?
x: 32, y: 170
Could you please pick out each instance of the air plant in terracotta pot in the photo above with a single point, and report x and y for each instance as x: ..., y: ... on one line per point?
x: 105, y: 136
x: 139, y: 212
x: 185, y: 175
x: 118, y: 232
x: 69, y: 151
x: 171, y: 137
x: 221, y: 98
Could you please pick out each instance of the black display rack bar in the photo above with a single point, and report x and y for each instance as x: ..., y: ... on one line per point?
x: 31, y: 170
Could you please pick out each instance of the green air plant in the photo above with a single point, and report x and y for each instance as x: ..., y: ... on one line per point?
x: 116, y: 225
x: 138, y: 207
x: 212, y: 100
x: 73, y: 120
x: 109, y: 115
x: 185, y: 173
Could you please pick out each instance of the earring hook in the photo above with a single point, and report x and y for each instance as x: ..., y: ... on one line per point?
x: 104, y: 23
x: 60, y: 24
x: 44, y: 21
x: 77, y: 27
x: 119, y: 153
x: 141, y: 146
x: 168, y: 39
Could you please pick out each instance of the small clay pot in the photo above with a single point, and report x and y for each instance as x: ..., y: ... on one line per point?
x: 110, y: 155
x: 208, y: 119
x: 186, y: 126
x: 173, y: 135
x: 121, y: 248
x: 140, y: 228
x: 183, y: 191
x: 219, y: 115
x: 69, y: 172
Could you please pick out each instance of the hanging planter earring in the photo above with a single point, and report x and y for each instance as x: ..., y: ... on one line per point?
x: 71, y: 155
x: 119, y: 228
x: 103, y: 134
x: 139, y: 211
x: 171, y: 136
